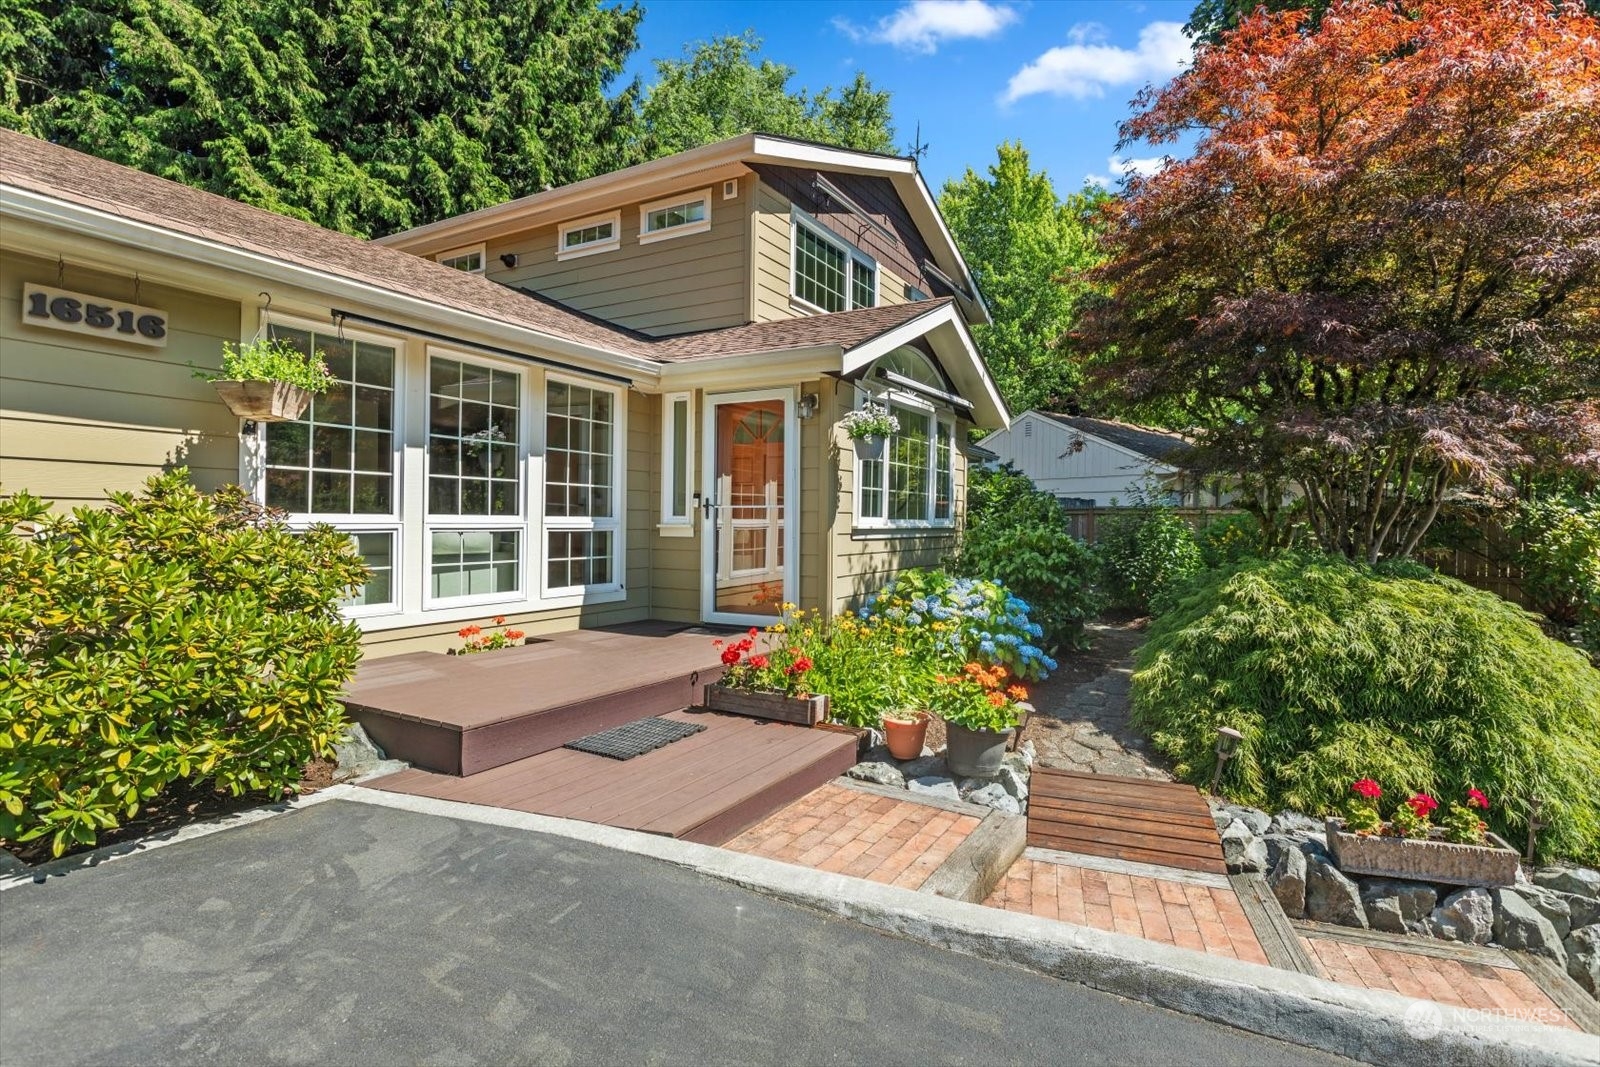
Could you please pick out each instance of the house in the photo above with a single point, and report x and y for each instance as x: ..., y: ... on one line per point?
x: 1098, y: 463
x: 609, y: 402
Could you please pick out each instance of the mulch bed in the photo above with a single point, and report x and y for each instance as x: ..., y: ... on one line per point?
x: 182, y: 803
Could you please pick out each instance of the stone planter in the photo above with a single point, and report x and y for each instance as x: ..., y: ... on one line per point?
x: 264, y: 401
x: 806, y: 711
x: 1422, y: 860
x: 869, y: 447
x: 974, y: 753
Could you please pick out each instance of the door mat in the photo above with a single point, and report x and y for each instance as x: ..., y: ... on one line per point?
x: 635, y: 738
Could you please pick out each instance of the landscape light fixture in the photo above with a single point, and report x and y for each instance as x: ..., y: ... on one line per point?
x: 1227, y: 744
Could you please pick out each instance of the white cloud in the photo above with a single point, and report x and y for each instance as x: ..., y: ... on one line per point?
x: 1120, y: 168
x: 923, y: 25
x: 1088, y: 66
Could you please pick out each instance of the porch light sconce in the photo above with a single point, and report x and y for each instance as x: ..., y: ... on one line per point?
x: 808, y: 405
x: 509, y: 259
x: 1227, y: 744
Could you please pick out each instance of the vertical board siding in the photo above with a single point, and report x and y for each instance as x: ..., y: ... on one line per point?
x: 1048, y: 453
x: 694, y: 282
x: 82, y: 417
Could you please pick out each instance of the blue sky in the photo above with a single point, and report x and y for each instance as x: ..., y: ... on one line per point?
x: 1054, y: 74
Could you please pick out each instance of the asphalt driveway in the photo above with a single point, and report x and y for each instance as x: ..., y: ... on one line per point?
x: 352, y: 934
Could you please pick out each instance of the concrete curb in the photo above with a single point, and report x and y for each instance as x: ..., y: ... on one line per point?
x: 21, y: 874
x: 1370, y: 1025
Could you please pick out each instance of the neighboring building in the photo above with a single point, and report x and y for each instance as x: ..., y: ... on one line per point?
x: 608, y: 402
x: 1099, y: 463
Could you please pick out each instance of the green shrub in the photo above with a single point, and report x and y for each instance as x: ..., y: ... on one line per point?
x: 1147, y: 554
x: 1560, y: 561
x: 1229, y: 539
x: 1017, y: 535
x: 166, y: 636
x: 1335, y: 672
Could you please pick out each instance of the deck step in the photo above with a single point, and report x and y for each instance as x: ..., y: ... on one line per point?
x: 463, y: 715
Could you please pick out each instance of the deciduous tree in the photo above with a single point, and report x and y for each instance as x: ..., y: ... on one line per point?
x: 1378, y: 275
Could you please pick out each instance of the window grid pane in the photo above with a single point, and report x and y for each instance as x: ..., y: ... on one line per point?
x: 579, y: 451
x: 677, y: 215
x: 908, y: 466
x: 377, y: 550
x: 678, y: 505
x: 578, y: 558
x: 474, y: 562
x: 588, y: 235
x: 338, y: 458
x: 819, y: 270
x: 863, y: 285
x: 473, y: 454
x: 872, y: 488
x: 943, y: 472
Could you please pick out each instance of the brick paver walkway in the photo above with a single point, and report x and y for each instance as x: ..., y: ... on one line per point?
x: 1205, y: 918
x: 1458, y: 983
x: 846, y: 831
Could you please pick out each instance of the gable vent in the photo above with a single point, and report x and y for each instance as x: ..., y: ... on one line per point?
x: 1027, y: 429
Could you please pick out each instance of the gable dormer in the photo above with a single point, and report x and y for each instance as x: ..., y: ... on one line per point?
x: 753, y: 229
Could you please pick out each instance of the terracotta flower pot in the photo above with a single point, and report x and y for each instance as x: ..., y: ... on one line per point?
x: 905, y: 734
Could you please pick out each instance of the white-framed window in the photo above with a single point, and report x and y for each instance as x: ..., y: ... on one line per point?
x: 583, y: 475
x: 476, y: 516
x: 829, y: 274
x: 675, y: 216
x: 338, y: 463
x: 585, y: 237
x: 469, y: 259
x: 677, y: 464
x: 911, y: 483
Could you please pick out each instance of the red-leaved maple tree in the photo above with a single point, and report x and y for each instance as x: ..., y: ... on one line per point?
x: 1377, y: 278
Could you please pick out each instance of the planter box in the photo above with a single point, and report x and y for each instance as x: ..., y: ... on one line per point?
x: 1422, y: 860
x: 264, y: 401
x: 806, y: 711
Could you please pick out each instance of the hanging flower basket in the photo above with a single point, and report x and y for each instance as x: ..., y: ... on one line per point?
x: 869, y: 447
x: 264, y: 401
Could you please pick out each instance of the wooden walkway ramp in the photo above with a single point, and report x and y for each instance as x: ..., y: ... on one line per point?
x: 1134, y: 819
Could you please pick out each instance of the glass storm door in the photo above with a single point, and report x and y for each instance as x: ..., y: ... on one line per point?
x: 749, y: 509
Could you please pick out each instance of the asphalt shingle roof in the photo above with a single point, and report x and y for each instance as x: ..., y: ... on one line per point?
x: 1156, y: 444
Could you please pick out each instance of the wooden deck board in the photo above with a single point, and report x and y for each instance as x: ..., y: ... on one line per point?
x: 1164, y: 823
x: 708, y: 787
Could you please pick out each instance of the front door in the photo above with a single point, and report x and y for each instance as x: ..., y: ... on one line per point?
x: 749, y: 506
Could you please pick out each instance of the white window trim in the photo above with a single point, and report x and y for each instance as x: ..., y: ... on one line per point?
x: 940, y: 420
x: 852, y: 256
x: 519, y: 522
x: 253, y: 465
x: 610, y: 244
x: 677, y: 525
x: 651, y: 236
x: 467, y: 250
x: 617, y: 525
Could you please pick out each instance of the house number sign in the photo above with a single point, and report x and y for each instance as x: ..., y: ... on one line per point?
x: 81, y: 313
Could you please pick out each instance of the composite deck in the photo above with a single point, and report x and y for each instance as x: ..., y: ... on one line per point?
x: 709, y: 787
x: 1137, y: 819
x: 466, y: 714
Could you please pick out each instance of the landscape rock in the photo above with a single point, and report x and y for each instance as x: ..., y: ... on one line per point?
x: 1292, y: 822
x: 1012, y: 782
x: 1027, y: 751
x: 994, y: 796
x: 934, y: 785
x: 1287, y: 877
x: 1466, y: 915
x: 1331, y: 897
x: 925, y: 766
x: 1585, y: 911
x: 1397, y: 907
x: 1243, y: 850
x: 1257, y: 821
x: 1584, y: 881
x: 1549, y: 903
x: 357, y: 755
x: 1583, y: 958
x: 1518, y: 925
x: 880, y: 773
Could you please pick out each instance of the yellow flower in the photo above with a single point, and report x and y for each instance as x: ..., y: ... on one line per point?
x: 900, y: 651
x: 776, y: 628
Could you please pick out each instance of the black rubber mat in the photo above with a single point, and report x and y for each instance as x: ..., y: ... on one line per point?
x: 635, y: 738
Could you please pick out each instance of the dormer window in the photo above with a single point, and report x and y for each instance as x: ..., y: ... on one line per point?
x: 469, y: 260
x: 675, y: 217
x: 829, y: 274
x: 585, y: 237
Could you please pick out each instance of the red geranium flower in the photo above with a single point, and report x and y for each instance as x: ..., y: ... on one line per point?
x: 499, y: 620
x: 468, y: 631
x: 799, y: 666
x: 717, y: 643
x: 1367, y: 789
x: 755, y: 631
x: 758, y: 662
x: 1476, y: 799
x: 730, y: 656
x: 1423, y: 805
x: 515, y: 635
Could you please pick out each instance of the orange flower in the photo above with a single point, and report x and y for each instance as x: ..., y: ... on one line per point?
x: 499, y: 620
x: 468, y: 631
x: 515, y: 635
x: 1017, y: 692
x: 997, y: 700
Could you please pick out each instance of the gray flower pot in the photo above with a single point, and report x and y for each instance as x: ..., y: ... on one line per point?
x: 974, y: 753
x: 870, y: 447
